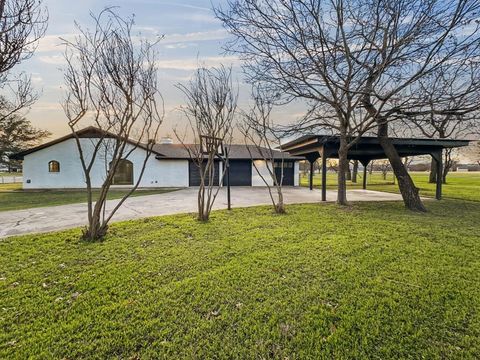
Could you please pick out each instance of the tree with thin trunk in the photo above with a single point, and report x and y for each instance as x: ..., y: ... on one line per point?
x: 258, y: 130
x: 111, y: 83
x: 210, y: 111
x: 22, y: 24
x: 299, y: 49
x: 384, y: 167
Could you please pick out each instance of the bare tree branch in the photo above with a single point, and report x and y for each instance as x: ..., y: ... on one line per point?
x: 210, y: 111
x: 111, y: 84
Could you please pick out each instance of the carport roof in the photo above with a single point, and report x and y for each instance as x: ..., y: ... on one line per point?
x: 368, y: 147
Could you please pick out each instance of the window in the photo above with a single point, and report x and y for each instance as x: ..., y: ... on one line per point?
x: 286, y: 164
x: 124, y: 173
x: 54, y: 166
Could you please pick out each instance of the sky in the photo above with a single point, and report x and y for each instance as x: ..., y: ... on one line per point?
x: 192, y: 35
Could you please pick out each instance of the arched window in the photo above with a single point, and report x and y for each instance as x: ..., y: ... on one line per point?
x: 54, y: 166
x: 124, y: 173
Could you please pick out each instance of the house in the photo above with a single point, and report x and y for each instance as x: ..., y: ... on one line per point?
x: 57, y: 164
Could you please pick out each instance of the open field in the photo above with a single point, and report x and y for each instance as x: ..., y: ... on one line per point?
x: 13, y: 198
x: 460, y: 185
x: 370, y: 281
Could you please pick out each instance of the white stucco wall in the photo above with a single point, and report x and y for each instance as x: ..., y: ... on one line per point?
x: 158, y: 173
x: 296, y: 173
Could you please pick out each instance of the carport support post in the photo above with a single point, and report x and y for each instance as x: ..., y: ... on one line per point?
x: 438, y: 157
x: 324, y: 175
x: 365, y: 165
x: 312, y: 158
x: 311, y: 174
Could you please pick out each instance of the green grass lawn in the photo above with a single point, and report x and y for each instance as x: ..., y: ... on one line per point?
x: 13, y: 198
x: 10, y: 174
x: 369, y: 281
x: 459, y: 185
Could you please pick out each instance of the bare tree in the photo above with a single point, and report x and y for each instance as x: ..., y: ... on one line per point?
x: 210, y: 111
x: 447, y: 87
x: 355, y: 62
x: 22, y: 24
x: 332, y: 165
x: 111, y: 82
x: 258, y: 130
x: 300, y: 49
x: 384, y: 167
x: 407, y: 161
x: 411, y: 40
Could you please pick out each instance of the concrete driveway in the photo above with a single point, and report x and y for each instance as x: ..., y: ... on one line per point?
x: 39, y: 220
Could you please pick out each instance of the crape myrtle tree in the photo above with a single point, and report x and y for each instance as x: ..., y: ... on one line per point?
x: 348, y: 56
x: 210, y: 112
x: 22, y: 24
x: 258, y: 130
x: 111, y: 83
x: 299, y: 49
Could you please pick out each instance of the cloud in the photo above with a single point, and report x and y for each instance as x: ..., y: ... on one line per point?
x: 218, y: 34
x: 179, y: 46
x: 47, y: 106
x: 52, y: 59
x: 36, y: 78
x: 53, y: 43
x: 190, y: 64
x: 188, y: 6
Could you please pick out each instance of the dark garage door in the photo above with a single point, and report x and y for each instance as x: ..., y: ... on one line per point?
x: 240, y: 173
x: 194, y: 174
x: 288, y: 172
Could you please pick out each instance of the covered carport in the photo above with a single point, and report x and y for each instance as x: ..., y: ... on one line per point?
x: 366, y: 149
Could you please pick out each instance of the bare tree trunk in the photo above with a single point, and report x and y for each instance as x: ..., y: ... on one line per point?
x: 355, y: 171
x: 409, y: 191
x: 444, y: 175
x: 279, y: 206
x: 96, y: 230
x: 370, y: 168
x: 433, y: 172
x: 348, y: 173
x: 342, y: 168
x: 447, y: 165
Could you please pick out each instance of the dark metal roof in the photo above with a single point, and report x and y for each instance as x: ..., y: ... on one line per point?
x: 88, y: 132
x: 368, y: 147
x: 235, y: 151
x: 162, y: 151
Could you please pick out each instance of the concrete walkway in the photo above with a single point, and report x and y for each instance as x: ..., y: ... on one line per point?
x: 39, y: 220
